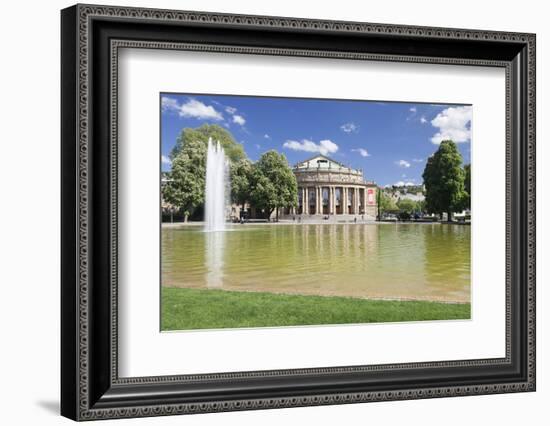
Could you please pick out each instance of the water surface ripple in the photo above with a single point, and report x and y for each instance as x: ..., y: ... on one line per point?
x: 390, y: 261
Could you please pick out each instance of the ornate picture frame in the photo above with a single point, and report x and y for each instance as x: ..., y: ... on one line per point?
x: 91, y: 37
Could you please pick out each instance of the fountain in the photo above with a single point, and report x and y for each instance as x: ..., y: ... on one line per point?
x: 217, y: 187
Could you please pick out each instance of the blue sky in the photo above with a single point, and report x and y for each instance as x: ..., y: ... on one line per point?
x: 390, y: 141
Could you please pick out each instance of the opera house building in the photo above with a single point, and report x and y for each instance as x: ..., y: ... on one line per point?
x: 329, y: 188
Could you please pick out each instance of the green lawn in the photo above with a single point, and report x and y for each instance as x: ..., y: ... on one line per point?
x: 185, y: 309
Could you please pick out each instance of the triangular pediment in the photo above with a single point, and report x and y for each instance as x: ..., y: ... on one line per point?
x: 319, y: 161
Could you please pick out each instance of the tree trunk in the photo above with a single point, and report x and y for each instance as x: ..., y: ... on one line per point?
x: 449, y: 216
x: 277, y: 215
x: 185, y: 217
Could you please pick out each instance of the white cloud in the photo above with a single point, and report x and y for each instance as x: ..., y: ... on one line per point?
x: 166, y: 160
x: 192, y: 108
x: 402, y: 183
x: 412, y: 113
x: 257, y: 146
x: 324, y: 147
x: 403, y: 163
x: 349, y: 128
x: 169, y: 104
x: 239, y: 119
x: 230, y: 110
x: 197, y: 109
x: 418, y: 160
x: 266, y: 136
x: 362, y: 152
x: 423, y: 120
x: 454, y: 123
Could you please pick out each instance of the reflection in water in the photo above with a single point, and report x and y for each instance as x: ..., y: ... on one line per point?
x: 214, y: 251
x: 454, y: 241
x: 395, y: 261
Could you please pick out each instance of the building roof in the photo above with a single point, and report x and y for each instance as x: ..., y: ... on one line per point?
x: 320, y: 161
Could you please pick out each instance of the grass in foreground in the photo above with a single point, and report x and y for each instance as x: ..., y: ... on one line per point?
x: 186, y: 309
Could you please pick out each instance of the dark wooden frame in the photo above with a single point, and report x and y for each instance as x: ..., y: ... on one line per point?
x: 91, y: 37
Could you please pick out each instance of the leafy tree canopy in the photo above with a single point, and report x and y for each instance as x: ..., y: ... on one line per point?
x: 273, y: 183
x: 185, y: 188
x: 233, y: 149
x: 241, y: 181
x: 467, y: 187
x: 444, y: 180
x: 407, y: 205
x: 386, y: 203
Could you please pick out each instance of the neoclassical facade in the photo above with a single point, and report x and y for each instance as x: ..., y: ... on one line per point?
x: 328, y: 188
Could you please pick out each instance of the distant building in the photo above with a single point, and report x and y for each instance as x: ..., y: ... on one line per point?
x: 410, y: 192
x: 329, y: 188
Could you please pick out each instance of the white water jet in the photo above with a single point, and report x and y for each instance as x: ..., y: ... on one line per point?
x: 214, y: 259
x: 216, y: 191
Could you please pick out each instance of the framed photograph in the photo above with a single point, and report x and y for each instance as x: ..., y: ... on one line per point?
x: 263, y: 212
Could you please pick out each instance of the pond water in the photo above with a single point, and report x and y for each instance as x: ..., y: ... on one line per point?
x: 389, y: 261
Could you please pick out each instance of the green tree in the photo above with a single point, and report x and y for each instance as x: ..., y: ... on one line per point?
x: 444, y: 180
x: 385, y: 202
x: 407, y: 205
x: 185, y: 190
x: 273, y: 183
x: 263, y: 193
x: 241, y: 180
x: 233, y: 149
x: 467, y: 187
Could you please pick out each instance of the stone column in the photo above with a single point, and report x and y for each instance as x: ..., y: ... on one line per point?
x: 356, y: 200
x: 306, y: 201
x: 316, y: 200
x: 345, y: 199
x: 319, y: 202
